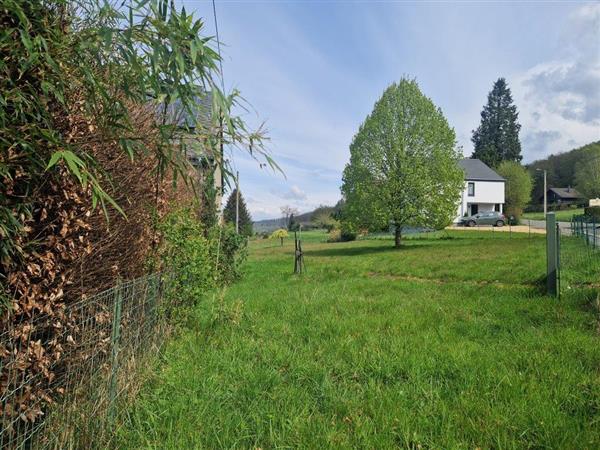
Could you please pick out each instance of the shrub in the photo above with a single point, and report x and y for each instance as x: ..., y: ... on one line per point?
x: 592, y: 211
x: 186, y: 255
x: 280, y: 234
x: 334, y: 235
x: 229, y: 251
x: 347, y: 235
x: 323, y: 218
x: 518, y: 187
x: 341, y: 235
x: 197, y: 261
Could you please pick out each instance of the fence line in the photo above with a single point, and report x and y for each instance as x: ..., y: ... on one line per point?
x: 64, y: 373
x: 579, y: 254
x: 588, y: 228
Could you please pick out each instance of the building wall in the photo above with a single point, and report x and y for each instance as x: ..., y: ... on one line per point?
x: 487, y: 195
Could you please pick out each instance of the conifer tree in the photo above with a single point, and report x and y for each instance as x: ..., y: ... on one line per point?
x: 497, y: 137
x: 245, y: 220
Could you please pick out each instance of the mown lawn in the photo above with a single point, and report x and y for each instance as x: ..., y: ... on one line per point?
x: 446, y: 343
x: 564, y: 215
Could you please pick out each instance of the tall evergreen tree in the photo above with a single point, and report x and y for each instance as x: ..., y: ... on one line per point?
x: 497, y: 137
x: 245, y: 218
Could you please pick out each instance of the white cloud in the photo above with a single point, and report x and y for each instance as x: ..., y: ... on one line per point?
x: 295, y: 193
x: 559, y: 100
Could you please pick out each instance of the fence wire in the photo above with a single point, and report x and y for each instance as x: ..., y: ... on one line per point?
x: 63, y: 373
x: 579, y: 253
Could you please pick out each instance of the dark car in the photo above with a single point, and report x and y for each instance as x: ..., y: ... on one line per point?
x: 485, y: 218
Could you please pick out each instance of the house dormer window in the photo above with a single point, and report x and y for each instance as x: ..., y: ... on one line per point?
x: 471, y: 189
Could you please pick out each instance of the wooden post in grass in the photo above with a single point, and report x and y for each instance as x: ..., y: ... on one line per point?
x: 551, y: 255
x: 298, y: 254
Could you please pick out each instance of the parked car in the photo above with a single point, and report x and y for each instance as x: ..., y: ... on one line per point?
x: 485, y: 218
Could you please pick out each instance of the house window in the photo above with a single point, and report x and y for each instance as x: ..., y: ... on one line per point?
x: 471, y: 189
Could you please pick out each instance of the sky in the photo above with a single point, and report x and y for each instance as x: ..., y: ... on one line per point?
x: 312, y: 71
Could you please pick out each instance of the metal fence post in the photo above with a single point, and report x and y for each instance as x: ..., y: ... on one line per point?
x: 551, y: 255
x: 114, y: 343
x: 558, y: 267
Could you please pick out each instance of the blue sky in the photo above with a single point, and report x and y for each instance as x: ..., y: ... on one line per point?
x: 313, y: 70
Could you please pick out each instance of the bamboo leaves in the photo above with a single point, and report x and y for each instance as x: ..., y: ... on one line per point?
x: 109, y: 58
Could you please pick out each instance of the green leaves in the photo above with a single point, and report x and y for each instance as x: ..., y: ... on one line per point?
x: 74, y: 163
x: 403, y: 164
x: 518, y: 187
x: 108, y: 59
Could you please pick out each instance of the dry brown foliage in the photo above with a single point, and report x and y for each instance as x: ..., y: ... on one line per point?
x: 70, y: 252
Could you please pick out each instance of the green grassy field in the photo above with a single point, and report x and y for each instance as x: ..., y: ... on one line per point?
x: 562, y: 216
x: 446, y: 343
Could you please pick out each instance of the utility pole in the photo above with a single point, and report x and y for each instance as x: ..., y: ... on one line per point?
x: 545, y: 194
x: 545, y: 191
x: 237, y: 202
x: 218, y: 180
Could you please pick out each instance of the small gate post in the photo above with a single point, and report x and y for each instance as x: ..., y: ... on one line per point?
x: 551, y: 255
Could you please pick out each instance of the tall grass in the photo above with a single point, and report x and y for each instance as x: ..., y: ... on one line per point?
x: 445, y: 343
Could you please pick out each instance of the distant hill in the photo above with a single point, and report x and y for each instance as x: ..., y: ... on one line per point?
x: 560, y: 167
x: 305, y: 219
x: 261, y: 226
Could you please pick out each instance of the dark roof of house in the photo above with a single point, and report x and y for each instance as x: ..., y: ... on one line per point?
x: 202, y: 112
x: 478, y: 171
x: 566, y: 193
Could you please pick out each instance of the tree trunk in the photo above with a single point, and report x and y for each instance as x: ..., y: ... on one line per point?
x: 398, y: 236
x: 281, y: 242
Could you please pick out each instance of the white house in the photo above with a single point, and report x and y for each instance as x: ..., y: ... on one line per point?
x: 484, y: 189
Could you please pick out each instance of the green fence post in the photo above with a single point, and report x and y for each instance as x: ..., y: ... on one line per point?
x: 114, y: 342
x: 551, y: 254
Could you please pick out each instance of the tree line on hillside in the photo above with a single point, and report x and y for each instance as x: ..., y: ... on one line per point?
x: 578, y: 168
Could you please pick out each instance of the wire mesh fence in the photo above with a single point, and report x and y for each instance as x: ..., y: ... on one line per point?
x: 579, y: 254
x: 587, y: 228
x: 63, y: 373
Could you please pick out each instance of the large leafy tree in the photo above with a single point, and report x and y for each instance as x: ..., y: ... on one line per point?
x: 496, y: 139
x: 403, y: 165
x: 518, y: 187
x: 245, y: 220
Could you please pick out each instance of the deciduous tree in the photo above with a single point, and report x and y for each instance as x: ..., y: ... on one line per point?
x: 279, y: 234
x: 403, y: 165
x: 288, y: 211
x: 587, y: 174
x: 517, y: 188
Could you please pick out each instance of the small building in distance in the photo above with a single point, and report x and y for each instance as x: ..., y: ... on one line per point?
x: 563, y: 196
